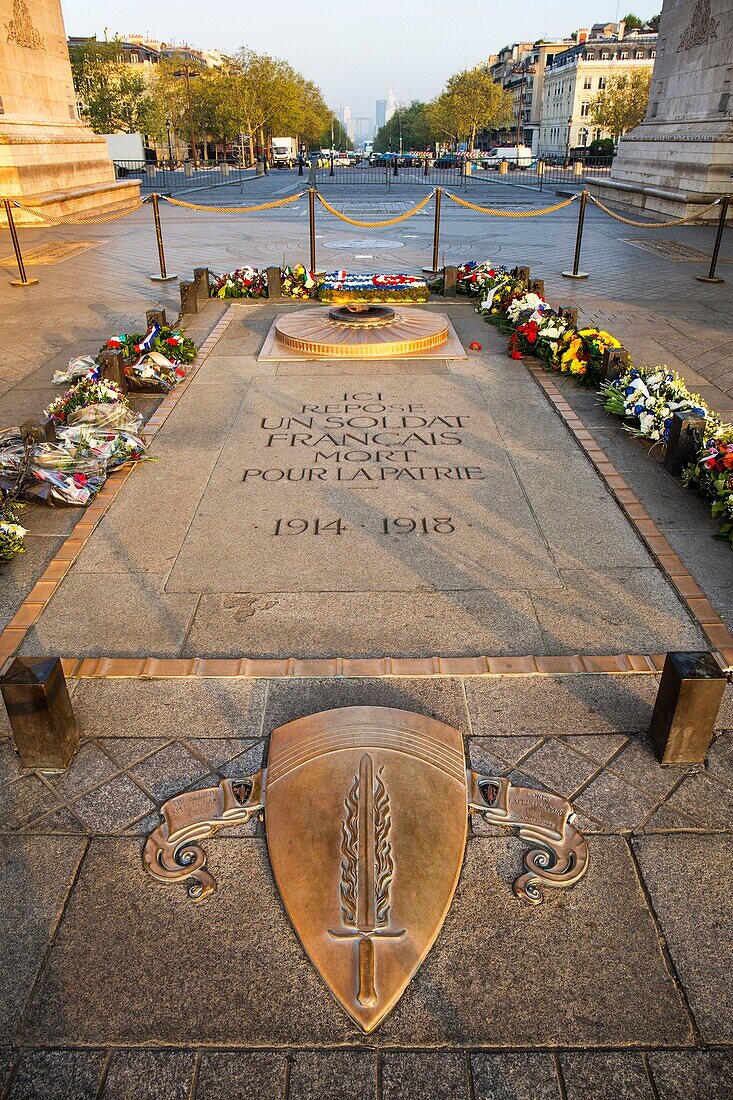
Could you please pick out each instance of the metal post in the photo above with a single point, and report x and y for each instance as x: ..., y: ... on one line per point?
x: 39, y: 709
x: 312, y: 224
x: 163, y: 277
x: 331, y: 172
x: 436, y: 229
x: 711, y: 277
x: 23, y: 280
x: 575, y: 273
x: 685, y: 713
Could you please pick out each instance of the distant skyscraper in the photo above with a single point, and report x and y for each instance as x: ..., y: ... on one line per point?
x: 381, y: 112
x: 391, y: 105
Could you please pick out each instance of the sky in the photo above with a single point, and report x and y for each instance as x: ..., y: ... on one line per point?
x: 355, y: 52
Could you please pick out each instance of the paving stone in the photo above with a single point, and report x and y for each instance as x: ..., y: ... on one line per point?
x: 599, y: 747
x: 18, y: 577
x: 597, y: 1076
x: 23, y: 799
x: 685, y: 877
x: 332, y: 1075
x: 218, y: 751
x: 514, y: 1077
x: 441, y: 699
x: 615, y: 802
x: 58, y: 821
x: 223, y: 1076
x: 708, y: 801
x: 539, y: 706
x: 436, y: 1076
x: 58, y: 1075
x: 154, y: 1075
x: 88, y: 767
x: 666, y: 818
x: 629, y: 610
x: 682, y: 1074
x: 127, y: 750
x: 111, y: 614
x: 109, y: 807
x: 7, y: 1063
x: 38, y: 873
x: 202, y: 707
x: 496, y: 754
x: 637, y: 763
x: 168, y: 771
x: 557, y: 765
x: 720, y: 758
x: 409, y: 625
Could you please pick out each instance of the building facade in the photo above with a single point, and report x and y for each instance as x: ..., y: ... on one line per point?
x: 575, y: 75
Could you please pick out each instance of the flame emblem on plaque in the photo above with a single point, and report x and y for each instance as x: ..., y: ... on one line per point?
x: 366, y: 822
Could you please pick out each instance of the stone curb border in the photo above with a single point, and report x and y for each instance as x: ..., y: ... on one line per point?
x: 45, y: 588
x: 671, y: 565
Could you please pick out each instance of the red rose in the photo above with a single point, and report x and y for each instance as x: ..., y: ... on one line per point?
x: 172, y: 342
x: 474, y: 345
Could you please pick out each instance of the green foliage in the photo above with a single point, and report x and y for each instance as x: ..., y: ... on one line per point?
x: 622, y: 103
x: 341, y: 139
x: 653, y: 23
x: 113, y: 95
x: 601, y: 147
x: 633, y: 22
x: 471, y: 101
x: 417, y: 130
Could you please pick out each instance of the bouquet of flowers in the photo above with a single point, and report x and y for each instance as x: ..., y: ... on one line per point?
x: 172, y: 343
x: 11, y: 532
x: 499, y: 291
x: 113, y: 448
x: 49, y: 472
x: 243, y: 282
x: 83, y: 366
x: 712, y: 474
x: 340, y: 286
x: 474, y: 278
x: 84, y: 394
x: 651, y: 396
x: 297, y: 282
x: 580, y: 353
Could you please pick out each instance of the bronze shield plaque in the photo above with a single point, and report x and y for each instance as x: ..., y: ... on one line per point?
x: 366, y: 829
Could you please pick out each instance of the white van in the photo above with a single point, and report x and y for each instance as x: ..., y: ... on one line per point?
x: 517, y: 156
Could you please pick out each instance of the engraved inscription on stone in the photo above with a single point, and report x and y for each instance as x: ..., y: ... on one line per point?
x: 54, y: 253
x: 702, y: 28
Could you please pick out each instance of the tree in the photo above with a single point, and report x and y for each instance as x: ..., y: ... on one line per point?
x: 113, y: 95
x: 622, y: 103
x: 653, y: 23
x: 633, y: 22
x: 415, y: 125
x: 471, y: 101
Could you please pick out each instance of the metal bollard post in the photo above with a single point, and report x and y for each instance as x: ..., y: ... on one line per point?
x: 685, y: 437
x: 436, y: 228
x: 688, y: 701
x: 163, y: 277
x: 201, y: 282
x: 537, y: 286
x: 450, y: 280
x: 522, y: 273
x: 540, y: 173
x: 23, y: 280
x: 331, y: 172
x: 274, y: 283
x: 112, y: 365
x: 613, y: 364
x: 155, y: 317
x: 711, y: 277
x: 38, y: 431
x: 576, y: 273
x: 39, y: 708
x: 189, y: 302
x: 394, y: 167
x: 312, y: 224
x: 577, y: 169
x: 568, y: 313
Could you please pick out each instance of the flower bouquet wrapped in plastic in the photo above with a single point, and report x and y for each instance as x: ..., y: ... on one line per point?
x: 12, y: 535
x: 297, y: 282
x: 113, y: 447
x: 49, y: 473
x: 243, y: 282
x: 83, y: 366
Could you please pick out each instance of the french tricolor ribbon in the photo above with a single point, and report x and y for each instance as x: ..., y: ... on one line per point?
x: 147, y: 343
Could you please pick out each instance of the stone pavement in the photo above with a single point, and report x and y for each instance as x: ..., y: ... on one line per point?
x: 115, y: 986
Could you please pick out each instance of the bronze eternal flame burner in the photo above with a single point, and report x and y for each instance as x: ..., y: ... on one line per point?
x: 366, y: 818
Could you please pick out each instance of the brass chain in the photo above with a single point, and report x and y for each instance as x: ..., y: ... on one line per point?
x: 650, y: 225
x: 78, y: 219
x: 374, y: 225
x: 232, y: 209
x: 510, y: 213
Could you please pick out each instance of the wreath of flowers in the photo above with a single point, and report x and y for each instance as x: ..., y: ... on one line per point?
x: 12, y: 535
x: 172, y: 343
x: 243, y: 282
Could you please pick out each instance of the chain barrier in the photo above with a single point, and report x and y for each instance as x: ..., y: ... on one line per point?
x: 374, y: 225
x: 232, y: 209
x: 78, y: 219
x: 510, y: 213
x: 651, y: 225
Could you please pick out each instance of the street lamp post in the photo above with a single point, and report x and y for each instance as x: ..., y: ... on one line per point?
x: 567, y: 144
x: 186, y: 72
